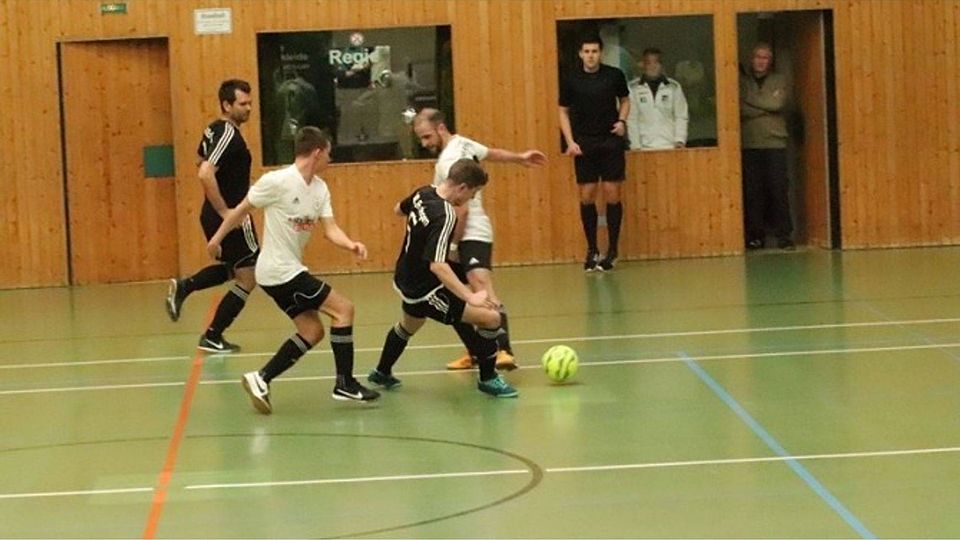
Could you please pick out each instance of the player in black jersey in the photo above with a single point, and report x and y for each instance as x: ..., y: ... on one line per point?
x: 430, y: 288
x: 224, y: 172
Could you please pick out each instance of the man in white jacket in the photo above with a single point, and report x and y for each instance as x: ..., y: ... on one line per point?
x: 658, y: 109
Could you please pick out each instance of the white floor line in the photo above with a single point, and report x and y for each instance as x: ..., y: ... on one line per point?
x: 97, y: 362
x: 736, y: 461
x: 663, y: 360
x: 503, y: 472
x: 651, y: 335
x: 359, y: 480
x: 73, y: 493
x: 590, y: 468
x: 84, y: 388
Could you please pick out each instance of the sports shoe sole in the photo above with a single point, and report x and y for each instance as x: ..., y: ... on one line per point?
x: 261, y: 405
x: 341, y: 397
x: 206, y: 348
x: 385, y: 386
x: 510, y: 395
x: 454, y: 366
x: 170, y: 301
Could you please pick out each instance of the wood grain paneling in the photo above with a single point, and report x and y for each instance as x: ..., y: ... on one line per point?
x: 116, y: 99
x: 897, y: 86
x: 806, y: 40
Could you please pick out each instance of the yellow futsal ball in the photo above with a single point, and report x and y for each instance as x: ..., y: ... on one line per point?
x: 560, y: 363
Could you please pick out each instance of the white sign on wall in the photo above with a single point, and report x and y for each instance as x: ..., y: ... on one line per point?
x: 212, y: 21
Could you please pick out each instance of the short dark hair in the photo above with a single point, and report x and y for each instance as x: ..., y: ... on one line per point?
x: 308, y: 139
x: 228, y: 91
x: 651, y: 51
x: 469, y: 172
x: 590, y: 38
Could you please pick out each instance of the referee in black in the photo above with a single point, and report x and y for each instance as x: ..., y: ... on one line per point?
x: 224, y: 172
x: 594, y: 106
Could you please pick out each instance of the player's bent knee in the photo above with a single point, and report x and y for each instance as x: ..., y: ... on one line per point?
x: 412, y: 325
x: 345, y: 312
x: 247, y: 280
x: 312, y: 335
x: 479, y: 280
x: 489, y: 319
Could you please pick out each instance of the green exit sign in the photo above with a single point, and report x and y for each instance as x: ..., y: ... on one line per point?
x: 113, y: 8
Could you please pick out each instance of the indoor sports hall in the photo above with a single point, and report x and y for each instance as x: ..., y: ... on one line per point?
x: 770, y: 349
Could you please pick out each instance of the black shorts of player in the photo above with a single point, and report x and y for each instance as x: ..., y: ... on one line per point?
x: 302, y: 293
x: 442, y: 306
x: 239, y: 248
x: 475, y: 254
x: 603, y: 159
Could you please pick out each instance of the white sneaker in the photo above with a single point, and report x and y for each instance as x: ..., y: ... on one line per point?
x: 258, y: 390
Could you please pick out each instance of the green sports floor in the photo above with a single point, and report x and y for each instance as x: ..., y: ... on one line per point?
x: 808, y: 394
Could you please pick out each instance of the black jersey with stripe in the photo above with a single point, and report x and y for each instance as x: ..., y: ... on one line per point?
x: 223, y: 146
x: 430, y: 224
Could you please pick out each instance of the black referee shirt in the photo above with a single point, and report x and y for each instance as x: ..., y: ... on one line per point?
x: 593, y: 99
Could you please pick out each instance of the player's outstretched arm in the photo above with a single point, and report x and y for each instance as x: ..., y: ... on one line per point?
x: 337, y: 237
x: 529, y: 158
x: 230, y: 221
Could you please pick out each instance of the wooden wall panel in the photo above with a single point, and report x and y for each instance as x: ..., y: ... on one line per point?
x: 897, y: 87
x: 32, y: 234
x: 116, y: 102
x: 897, y: 104
x: 807, y: 42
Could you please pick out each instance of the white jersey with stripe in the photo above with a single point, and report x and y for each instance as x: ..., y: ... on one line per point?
x: 292, y: 209
x: 479, y: 227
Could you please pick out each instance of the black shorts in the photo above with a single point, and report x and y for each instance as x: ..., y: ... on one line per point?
x: 239, y: 248
x: 302, y: 293
x: 604, y: 159
x: 442, y: 306
x: 475, y: 254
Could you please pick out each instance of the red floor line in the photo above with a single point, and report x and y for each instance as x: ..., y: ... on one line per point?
x: 169, y: 464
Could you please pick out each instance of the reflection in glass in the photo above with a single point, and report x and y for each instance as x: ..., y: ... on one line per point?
x: 357, y: 85
x: 687, y: 61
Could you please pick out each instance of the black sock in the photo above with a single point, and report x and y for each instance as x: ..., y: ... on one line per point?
x: 211, y: 276
x: 486, y: 353
x: 614, y: 219
x: 227, y: 311
x: 287, y: 355
x: 482, y: 345
x: 467, y: 334
x: 341, y: 341
x: 588, y: 215
x: 503, y: 339
x: 393, y: 346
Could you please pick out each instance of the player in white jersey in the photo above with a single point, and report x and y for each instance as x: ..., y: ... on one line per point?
x: 295, y: 201
x: 472, y: 244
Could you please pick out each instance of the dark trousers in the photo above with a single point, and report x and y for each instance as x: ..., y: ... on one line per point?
x: 766, y: 193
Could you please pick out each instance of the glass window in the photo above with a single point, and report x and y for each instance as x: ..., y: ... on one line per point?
x: 356, y: 84
x: 683, y: 112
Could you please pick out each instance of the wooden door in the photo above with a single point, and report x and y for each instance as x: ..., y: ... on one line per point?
x: 116, y: 104
x: 804, y: 32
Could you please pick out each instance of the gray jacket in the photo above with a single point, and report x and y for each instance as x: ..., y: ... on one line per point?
x: 763, y: 118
